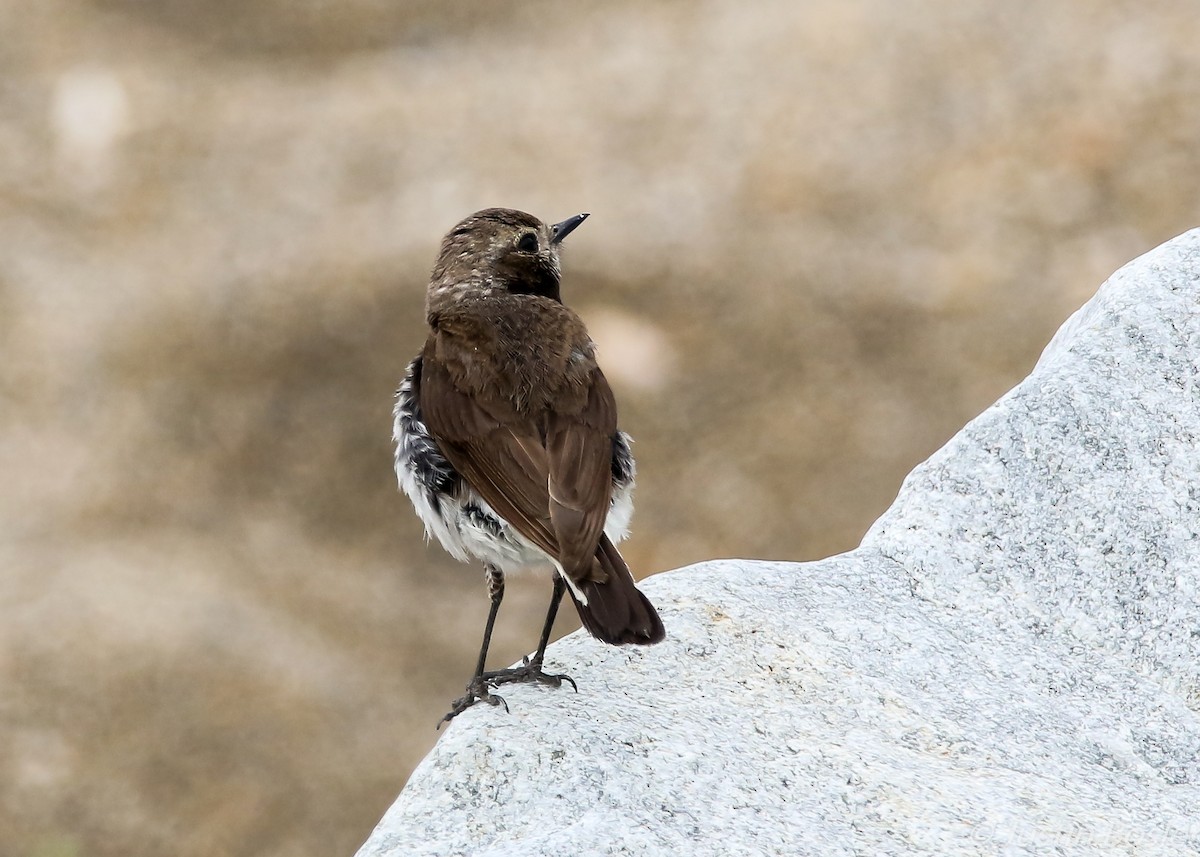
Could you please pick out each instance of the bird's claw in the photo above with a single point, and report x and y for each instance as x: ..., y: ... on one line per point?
x: 529, y: 671
x: 477, y: 691
x: 480, y: 688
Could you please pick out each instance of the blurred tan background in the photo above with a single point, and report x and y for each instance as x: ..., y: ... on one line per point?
x: 824, y: 236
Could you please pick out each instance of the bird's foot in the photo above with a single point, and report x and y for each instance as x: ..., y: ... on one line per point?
x: 477, y: 691
x: 480, y: 688
x: 529, y: 671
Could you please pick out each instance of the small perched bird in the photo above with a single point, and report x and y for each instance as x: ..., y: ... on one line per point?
x: 507, y: 441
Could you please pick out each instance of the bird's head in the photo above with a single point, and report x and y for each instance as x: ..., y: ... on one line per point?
x: 499, y: 250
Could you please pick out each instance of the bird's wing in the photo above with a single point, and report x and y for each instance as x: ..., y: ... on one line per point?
x: 551, y: 480
x: 580, y: 449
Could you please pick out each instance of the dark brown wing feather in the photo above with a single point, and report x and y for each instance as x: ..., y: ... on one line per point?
x: 508, y: 467
x: 550, y: 479
x: 579, y: 448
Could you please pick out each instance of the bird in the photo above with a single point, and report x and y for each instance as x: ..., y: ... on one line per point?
x: 506, y: 438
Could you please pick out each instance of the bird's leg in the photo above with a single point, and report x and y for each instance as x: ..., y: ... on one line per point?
x: 531, y: 668
x: 555, y: 599
x: 495, y: 589
x: 477, y: 688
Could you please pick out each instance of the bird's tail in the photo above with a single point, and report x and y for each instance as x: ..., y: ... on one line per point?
x: 616, y: 611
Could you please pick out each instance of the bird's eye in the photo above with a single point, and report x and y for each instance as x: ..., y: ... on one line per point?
x: 528, y: 243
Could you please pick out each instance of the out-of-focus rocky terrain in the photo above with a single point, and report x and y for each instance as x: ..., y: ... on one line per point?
x: 824, y: 235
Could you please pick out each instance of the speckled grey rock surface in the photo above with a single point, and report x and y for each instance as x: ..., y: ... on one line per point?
x: 1009, y: 664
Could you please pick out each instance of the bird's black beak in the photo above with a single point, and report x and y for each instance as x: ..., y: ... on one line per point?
x: 559, y: 231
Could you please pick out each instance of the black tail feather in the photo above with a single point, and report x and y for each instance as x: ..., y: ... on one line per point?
x: 616, y: 611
